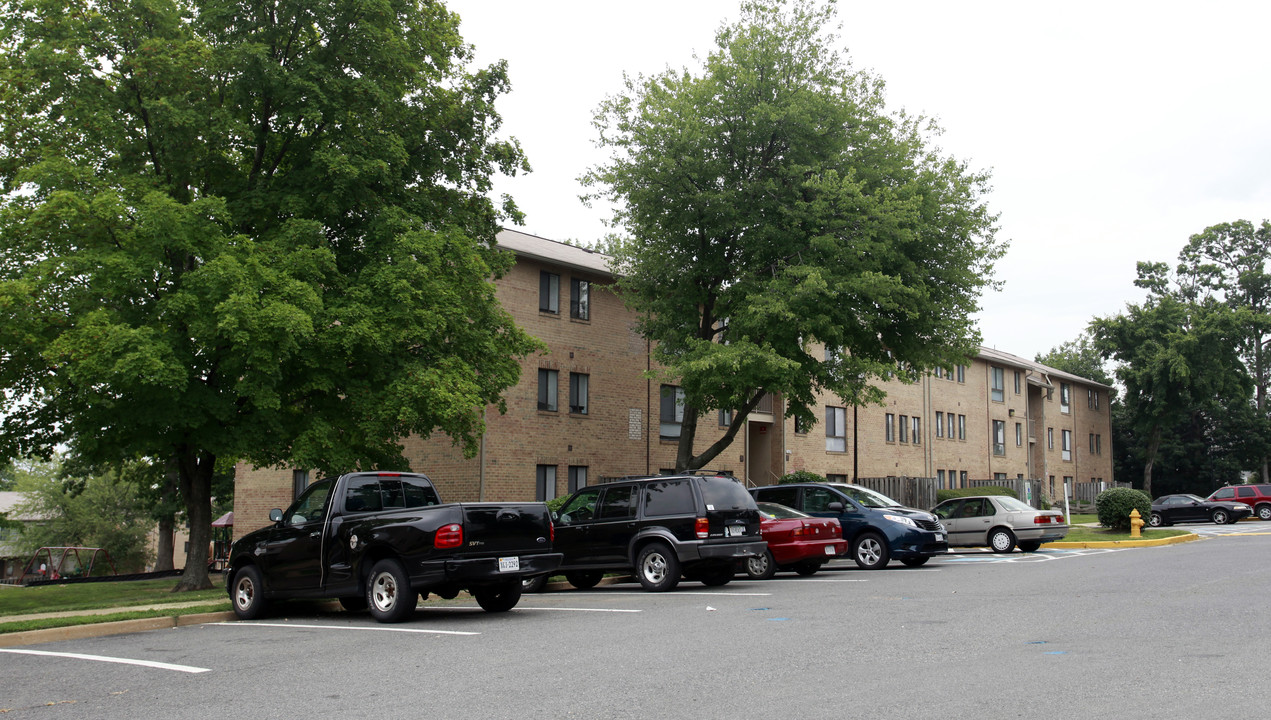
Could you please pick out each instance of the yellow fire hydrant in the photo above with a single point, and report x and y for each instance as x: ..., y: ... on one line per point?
x: 1136, y: 522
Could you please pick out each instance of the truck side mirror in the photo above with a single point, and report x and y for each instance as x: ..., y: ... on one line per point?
x: 275, y: 515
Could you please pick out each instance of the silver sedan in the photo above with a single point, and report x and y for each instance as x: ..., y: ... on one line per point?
x: 1000, y: 522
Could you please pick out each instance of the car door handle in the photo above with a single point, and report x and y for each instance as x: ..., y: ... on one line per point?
x: 315, y: 533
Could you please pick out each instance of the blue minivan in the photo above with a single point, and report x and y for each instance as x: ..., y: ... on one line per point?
x: 877, y: 529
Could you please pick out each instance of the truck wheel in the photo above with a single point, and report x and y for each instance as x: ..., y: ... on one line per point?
x: 870, y: 551
x: 248, y: 594
x: 717, y: 576
x: 499, y: 598
x: 388, y: 593
x: 657, y: 568
x: 584, y: 579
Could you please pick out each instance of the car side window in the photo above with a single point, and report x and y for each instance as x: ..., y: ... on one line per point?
x: 580, y: 508
x: 363, y: 495
x: 818, y: 499
x: 975, y: 508
x: 309, y: 507
x: 672, y: 497
x: 617, y: 503
x: 949, y: 509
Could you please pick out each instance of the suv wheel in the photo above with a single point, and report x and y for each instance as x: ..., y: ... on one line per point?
x: 717, y: 576
x: 870, y: 551
x: 657, y: 568
x: 1264, y: 512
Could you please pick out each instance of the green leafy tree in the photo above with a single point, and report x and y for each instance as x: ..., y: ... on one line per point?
x: 1228, y: 262
x: 247, y: 231
x: 770, y: 202
x: 102, y: 511
x: 1079, y: 357
x: 1176, y: 359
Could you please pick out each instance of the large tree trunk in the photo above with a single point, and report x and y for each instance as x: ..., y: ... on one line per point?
x: 196, y: 487
x: 163, y: 545
x: 1153, y: 444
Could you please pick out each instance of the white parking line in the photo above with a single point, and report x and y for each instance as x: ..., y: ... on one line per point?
x: 118, y: 661
x: 345, y: 627
x: 680, y: 593
x: 523, y: 607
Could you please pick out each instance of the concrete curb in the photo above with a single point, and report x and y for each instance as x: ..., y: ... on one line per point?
x: 120, y: 627
x: 1123, y: 543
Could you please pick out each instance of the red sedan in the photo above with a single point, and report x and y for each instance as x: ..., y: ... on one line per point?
x: 796, y: 541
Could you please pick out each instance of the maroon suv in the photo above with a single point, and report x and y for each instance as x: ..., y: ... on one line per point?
x: 1257, y: 497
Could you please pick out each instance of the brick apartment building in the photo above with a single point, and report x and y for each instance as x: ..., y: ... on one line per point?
x: 585, y: 409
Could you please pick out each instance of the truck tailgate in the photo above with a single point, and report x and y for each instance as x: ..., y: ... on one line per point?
x: 506, y: 528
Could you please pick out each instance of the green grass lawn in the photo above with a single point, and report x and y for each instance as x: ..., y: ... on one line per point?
x: 1102, y: 534
x: 91, y: 596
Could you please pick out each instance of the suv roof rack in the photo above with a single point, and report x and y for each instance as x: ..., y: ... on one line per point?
x: 620, y: 478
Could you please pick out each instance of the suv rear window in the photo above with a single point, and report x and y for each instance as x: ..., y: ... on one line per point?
x: 670, y: 497
x: 721, y: 493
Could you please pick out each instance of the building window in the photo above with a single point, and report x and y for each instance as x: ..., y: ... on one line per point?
x: 998, y: 376
x: 962, y: 477
x: 725, y: 418
x: 546, y: 483
x: 1066, y: 450
x: 890, y: 428
x: 831, y: 477
x: 1019, y: 435
x: 578, y: 393
x: 939, y: 424
x: 577, y: 477
x: 1092, y: 399
x: 904, y: 428
x: 1065, y: 398
x: 672, y: 411
x: 579, y: 299
x: 1017, y: 384
x: 548, y: 292
x: 952, y: 426
x: 917, y: 428
x: 999, y: 476
x: 939, y: 373
x: 961, y: 426
x: 1098, y: 444
x: 962, y: 373
x: 1050, y: 438
x: 999, y: 437
x: 299, y: 482
x: 547, y: 390
x: 800, y: 426
x: 835, y: 429
x: 940, y: 480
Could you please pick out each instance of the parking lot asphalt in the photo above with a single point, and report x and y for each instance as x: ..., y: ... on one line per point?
x: 90, y: 630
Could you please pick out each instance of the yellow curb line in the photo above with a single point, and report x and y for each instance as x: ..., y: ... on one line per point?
x: 1123, y: 543
x: 92, y: 630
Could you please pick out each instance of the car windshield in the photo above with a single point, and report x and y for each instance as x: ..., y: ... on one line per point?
x: 867, y: 497
x: 773, y: 511
x: 1010, y: 504
x: 1191, y: 497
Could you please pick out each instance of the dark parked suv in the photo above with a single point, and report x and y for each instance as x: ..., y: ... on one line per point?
x: 659, y: 527
x: 876, y: 528
x: 1257, y: 497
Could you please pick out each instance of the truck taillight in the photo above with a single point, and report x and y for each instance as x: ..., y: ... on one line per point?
x: 551, y: 531
x: 448, y: 536
x: 703, y: 527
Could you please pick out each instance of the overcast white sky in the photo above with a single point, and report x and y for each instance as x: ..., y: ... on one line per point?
x: 1113, y: 130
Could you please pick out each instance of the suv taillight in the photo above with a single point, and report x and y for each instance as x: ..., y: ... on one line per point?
x: 448, y: 536
x: 703, y: 527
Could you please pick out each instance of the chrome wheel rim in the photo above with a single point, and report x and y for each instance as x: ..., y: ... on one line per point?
x: 244, y: 591
x: 1155, y: 520
x: 384, y: 592
x: 1220, y: 517
x: 869, y: 551
x: 654, y: 567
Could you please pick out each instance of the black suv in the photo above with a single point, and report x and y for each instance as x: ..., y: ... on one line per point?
x: 877, y: 529
x: 659, y: 528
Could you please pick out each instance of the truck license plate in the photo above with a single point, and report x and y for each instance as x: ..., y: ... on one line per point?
x: 509, y: 564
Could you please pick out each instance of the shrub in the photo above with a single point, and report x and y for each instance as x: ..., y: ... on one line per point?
x: 1113, y: 507
x: 801, y: 476
x: 555, y: 503
x: 942, y: 495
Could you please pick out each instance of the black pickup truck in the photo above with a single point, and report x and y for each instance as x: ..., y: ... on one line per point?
x: 378, y: 540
